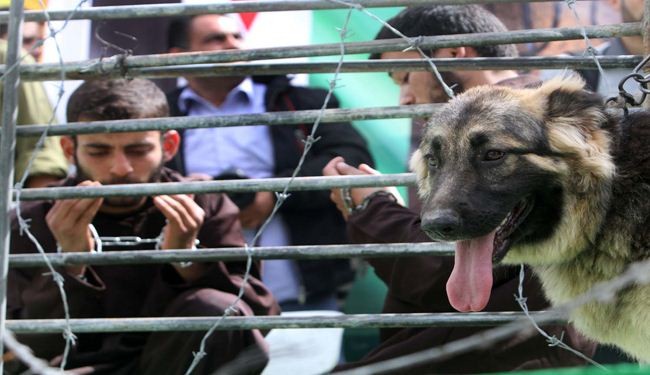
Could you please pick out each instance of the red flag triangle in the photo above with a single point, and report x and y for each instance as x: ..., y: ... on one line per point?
x: 247, y: 18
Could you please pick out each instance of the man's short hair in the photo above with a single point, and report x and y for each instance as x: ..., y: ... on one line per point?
x: 178, y: 32
x: 433, y: 20
x: 117, y: 99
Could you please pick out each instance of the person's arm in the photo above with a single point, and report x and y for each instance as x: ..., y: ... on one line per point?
x: 32, y: 292
x: 221, y: 228
x: 414, y: 280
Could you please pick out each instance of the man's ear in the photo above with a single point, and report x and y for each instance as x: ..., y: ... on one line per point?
x: 68, y: 146
x: 170, y: 143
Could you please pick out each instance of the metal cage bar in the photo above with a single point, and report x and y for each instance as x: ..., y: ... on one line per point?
x: 36, y: 326
x: 201, y: 187
x: 270, y: 118
x: 234, y: 254
x: 50, y: 72
x: 169, y: 10
x: 7, y: 149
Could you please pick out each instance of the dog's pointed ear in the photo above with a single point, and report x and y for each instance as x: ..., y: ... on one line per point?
x: 567, y: 98
x: 574, y: 119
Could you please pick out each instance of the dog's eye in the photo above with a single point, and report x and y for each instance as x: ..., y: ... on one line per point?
x: 431, y: 161
x: 493, y: 155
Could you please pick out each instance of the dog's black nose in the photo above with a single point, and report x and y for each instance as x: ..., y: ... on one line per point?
x: 441, y: 224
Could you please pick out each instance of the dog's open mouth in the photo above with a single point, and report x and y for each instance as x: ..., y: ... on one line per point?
x: 503, y: 233
x: 470, y: 283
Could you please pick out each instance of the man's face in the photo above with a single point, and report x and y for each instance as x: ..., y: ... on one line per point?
x: 32, y: 33
x: 119, y: 158
x: 420, y: 87
x: 213, y: 32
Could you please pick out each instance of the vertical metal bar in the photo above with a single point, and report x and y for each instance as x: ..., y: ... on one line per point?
x: 7, y: 149
x: 645, y: 28
x: 645, y: 34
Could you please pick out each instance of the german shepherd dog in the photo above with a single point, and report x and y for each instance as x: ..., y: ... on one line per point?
x: 549, y: 178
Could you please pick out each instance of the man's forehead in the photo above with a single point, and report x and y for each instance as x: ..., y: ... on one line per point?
x: 400, y: 55
x: 119, y: 139
x: 215, y: 23
x: 31, y: 29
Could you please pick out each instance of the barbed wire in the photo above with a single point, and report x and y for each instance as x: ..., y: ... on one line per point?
x: 280, y: 197
x: 552, y: 340
x: 25, y: 355
x: 590, y: 50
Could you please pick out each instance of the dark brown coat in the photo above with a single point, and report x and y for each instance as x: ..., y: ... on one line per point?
x: 139, y: 291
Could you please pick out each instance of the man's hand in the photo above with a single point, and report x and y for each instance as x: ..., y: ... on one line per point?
x: 257, y: 212
x: 338, y: 167
x: 184, y: 220
x: 68, y: 221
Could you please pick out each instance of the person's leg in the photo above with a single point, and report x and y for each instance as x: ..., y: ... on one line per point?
x: 236, y: 351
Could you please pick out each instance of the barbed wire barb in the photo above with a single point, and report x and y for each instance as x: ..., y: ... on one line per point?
x: 552, y: 340
x: 590, y: 50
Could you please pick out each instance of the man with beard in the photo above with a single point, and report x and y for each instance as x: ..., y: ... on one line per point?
x: 261, y: 151
x: 160, y: 222
x: 416, y: 284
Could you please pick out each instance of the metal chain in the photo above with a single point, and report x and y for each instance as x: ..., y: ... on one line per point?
x: 625, y: 98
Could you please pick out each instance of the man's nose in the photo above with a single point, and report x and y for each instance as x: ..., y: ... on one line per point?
x: 232, y: 42
x: 406, y: 97
x: 121, y: 165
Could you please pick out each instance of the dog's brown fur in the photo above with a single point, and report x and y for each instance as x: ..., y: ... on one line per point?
x: 587, y: 172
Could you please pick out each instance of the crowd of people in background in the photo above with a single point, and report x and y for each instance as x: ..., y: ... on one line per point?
x: 415, y: 284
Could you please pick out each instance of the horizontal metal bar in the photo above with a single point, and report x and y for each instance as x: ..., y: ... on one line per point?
x: 107, y: 66
x: 44, y: 73
x: 200, y: 187
x: 34, y: 326
x: 269, y: 118
x: 167, y: 10
x: 234, y: 254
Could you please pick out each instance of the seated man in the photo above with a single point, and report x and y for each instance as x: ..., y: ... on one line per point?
x: 153, y: 290
x: 262, y: 151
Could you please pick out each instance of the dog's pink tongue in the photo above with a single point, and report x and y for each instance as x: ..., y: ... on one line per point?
x: 470, y: 283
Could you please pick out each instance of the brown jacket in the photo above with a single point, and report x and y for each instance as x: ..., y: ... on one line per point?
x: 124, y: 290
x: 416, y: 284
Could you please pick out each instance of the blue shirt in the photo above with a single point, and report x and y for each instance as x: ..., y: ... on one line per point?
x: 216, y: 150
